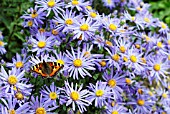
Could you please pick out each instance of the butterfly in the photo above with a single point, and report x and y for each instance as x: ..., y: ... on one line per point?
x: 47, y: 69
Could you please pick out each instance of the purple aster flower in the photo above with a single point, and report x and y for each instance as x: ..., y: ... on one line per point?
x: 80, y: 5
x: 78, y: 63
x: 10, y: 106
x: 2, y: 48
x: 109, y: 3
x: 111, y: 24
x: 141, y: 105
x: 39, y: 106
x: 117, y: 109
x: 41, y: 43
x: 50, y: 94
x: 75, y: 96
x: 100, y: 93
x: 18, y: 61
x: 99, y: 40
x: 164, y: 96
x: 13, y: 80
x: 84, y: 29
x: 134, y: 60
x: 49, y: 5
x: 35, y: 15
x: 163, y: 27
x: 157, y: 67
x: 115, y: 82
x: 67, y: 18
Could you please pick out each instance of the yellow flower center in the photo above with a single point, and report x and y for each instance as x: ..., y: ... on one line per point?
x: 75, y: 95
x: 53, y: 95
x: 133, y: 58
x: 41, y: 30
x: 54, y: 32
x: 113, y: 103
x: 169, y: 87
x: 109, y: 1
x: 87, y: 54
x: 140, y: 102
x: 164, y: 95
x: 84, y: 27
x: 60, y: 61
x: 116, y: 57
x: 157, y: 67
x: 1, y: 43
x: 51, y: 3
x: 140, y: 91
x: 89, y: 7
x: 102, y: 63
x: 122, y: 49
x: 147, y: 38
x: 109, y: 43
x: 168, y: 57
x: 12, y: 80
x: 150, y: 93
x: 146, y: 19
x: 99, y: 93
x: 19, y: 96
x: 69, y: 21
x: 163, y: 25
x: 12, y: 111
x: 143, y: 60
x: 159, y: 44
x: 41, y: 44
x: 75, y: 2
x: 115, y: 112
x: 169, y: 42
x: 138, y: 8
x: 125, y: 59
x: 19, y: 64
x: 77, y: 62
x: 137, y: 46
x: 133, y: 18
x: 128, y: 81
x: 163, y: 113
x: 30, y: 23
x: 40, y: 110
x: 112, y: 83
x: 34, y: 15
x: 93, y: 14
x: 112, y: 27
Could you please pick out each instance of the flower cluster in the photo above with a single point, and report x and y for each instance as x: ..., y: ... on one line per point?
x: 77, y: 60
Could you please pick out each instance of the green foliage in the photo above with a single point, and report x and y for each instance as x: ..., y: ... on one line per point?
x: 11, y: 25
x: 160, y: 9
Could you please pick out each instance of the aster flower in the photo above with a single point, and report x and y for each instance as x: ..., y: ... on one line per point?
x: 117, y: 109
x: 49, y: 5
x: 93, y: 14
x: 109, y: 3
x: 99, y: 92
x: 75, y: 96
x: 50, y: 94
x: 134, y: 60
x: 111, y: 24
x: 163, y: 27
x: 141, y: 105
x: 157, y: 68
x: 2, y: 48
x: 67, y: 18
x: 12, y: 108
x: 41, y: 43
x: 18, y: 61
x: 115, y: 82
x: 164, y: 96
x: 35, y: 15
x: 84, y: 29
x: 80, y: 5
x: 13, y: 80
x: 38, y: 105
x: 78, y: 63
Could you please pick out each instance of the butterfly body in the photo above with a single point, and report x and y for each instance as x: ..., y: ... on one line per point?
x: 47, y: 69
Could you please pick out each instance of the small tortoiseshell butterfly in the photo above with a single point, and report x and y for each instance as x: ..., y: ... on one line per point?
x: 47, y: 69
